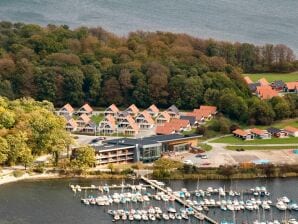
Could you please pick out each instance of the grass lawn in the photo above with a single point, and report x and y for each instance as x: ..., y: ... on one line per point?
x: 236, y: 141
x: 263, y: 147
x: 286, y: 77
x: 276, y: 124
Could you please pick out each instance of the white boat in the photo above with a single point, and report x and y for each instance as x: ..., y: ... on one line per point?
x: 165, y: 216
x: 144, y: 217
x: 116, y: 217
x: 171, y: 210
x: 157, y: 210
x: 230, y: 207
x: 152, y: 217
x: 130, y: 217
x: 281, y: 206
x: 184, y: 216
x: 284, y: 199
x: 172, y: 216
x: 137, y: 216
x: 124, y: 217
x: 223, y: 207
x: 157, y: 197
x: 151, y: 210
x: 178, y: 216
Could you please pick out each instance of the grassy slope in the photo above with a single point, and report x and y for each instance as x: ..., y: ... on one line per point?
x: 234, y: 141
x: 278, y: 124
x: 286, y: 77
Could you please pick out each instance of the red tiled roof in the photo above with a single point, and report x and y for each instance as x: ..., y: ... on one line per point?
x: 266, y: 92
x: 114, y: 108
x: 164, y: 130
x: 153, y: 108
x: 85, y: 118
x: 263, y: 82
x: 257, y: 131
x: 133, y: 108
x: 147, y: 117
x: 247, y: 80
x: 165, y: 114
x: 292, y: 85
x: 290, y: 129
x: 240, y: 132
x: 179, y: 123
x: 212, y: 109
x: 87, y: 108
x: 111, y: 120
x: 68, y: 108
x: 202, y: 113
x: 72, y: 123
x: 198, y: 116
x: 132, y: 123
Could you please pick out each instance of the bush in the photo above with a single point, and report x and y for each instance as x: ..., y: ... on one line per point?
x: 201, y: 130
x: 18, y: 173
x: 39, y: 169
x: 127, y: 171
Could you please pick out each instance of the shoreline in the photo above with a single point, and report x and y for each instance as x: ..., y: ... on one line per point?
x: 52, y: 176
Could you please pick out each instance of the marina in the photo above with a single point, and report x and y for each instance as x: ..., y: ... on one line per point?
x: 53, y: 201
x: 194, y: 204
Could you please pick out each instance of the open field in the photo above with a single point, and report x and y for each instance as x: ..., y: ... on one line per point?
x: 263, y: 147
x: 286, y: 77
x: 277, y: 124
x: 236, y: 141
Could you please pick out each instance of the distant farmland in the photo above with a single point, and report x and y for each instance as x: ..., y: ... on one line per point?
x: 286, y: 77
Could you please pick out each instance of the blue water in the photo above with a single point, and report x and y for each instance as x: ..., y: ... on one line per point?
x: 256, y: 21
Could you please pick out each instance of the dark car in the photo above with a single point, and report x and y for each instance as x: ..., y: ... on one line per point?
x: 97, y: 139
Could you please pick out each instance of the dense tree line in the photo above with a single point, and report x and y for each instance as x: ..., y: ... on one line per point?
x: 29, y: 128
x: 61, y: 65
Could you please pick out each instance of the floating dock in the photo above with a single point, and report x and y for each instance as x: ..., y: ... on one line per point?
x: 197, y: 214
x: 111, y: 187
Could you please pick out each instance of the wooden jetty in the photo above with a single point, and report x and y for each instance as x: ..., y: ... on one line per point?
x: 111, y: 187
x: 197, y: 214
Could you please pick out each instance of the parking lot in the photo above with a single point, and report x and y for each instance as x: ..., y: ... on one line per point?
x: 221, y: 156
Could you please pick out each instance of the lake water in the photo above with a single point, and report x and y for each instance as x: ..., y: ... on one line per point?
x: 256, y: 21
x: 52, y: 201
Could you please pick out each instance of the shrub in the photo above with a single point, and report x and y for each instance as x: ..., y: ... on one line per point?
x: 127, y: 171
x: 18, y: 173
x: 39, y: 169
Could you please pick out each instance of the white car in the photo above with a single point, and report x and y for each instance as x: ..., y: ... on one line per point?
x: 188, y: 162
x: 204, y: 157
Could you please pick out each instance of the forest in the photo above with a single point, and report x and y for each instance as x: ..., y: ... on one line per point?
x: 63, y: 65
x: 29, y: 128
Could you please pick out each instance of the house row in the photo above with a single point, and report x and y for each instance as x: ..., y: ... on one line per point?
x: 265, y: 90
x: 82, y: 124
x: 148, y: 149
x: 175, y: 125
x: 204, y: 113
x: 68, y: 111
x: 133, y: 111
x: 256, y: 133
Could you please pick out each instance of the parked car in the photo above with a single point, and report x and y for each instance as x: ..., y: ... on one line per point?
x: 188, y: 162
x: 204, y: 156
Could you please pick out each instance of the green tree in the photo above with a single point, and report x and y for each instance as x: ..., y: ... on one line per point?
x: 84, y: 158
x: 3, y: 150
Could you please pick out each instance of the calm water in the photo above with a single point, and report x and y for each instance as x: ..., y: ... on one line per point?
x: 52, y: 202
x: 257, y: 21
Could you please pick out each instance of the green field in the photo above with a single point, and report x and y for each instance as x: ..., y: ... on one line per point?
x: 286, y: 77
x: 277, y: 124
x: 263, y: 147
x: 237, y: 141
